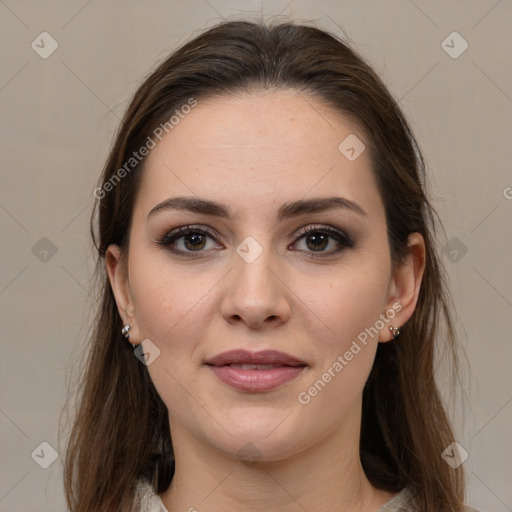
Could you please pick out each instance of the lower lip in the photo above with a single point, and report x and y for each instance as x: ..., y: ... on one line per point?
x: 256, y: 380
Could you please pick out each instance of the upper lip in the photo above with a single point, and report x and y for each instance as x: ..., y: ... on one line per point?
x: 263, y: 357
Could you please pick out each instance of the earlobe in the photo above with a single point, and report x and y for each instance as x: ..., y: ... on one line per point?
x: 405, y: 285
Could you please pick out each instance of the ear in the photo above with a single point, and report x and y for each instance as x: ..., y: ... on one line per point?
x: 404, y: 286
x: 117, y: 270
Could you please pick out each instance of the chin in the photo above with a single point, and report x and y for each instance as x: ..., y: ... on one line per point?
x: 261, y: 440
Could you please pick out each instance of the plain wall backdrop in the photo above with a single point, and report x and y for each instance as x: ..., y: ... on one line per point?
x: 67, y: 71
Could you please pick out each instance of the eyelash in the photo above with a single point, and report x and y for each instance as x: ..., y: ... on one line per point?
x: 172, y: 236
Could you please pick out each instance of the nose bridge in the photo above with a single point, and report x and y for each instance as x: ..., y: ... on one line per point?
x: 255, y: 291
x: 252, y: 273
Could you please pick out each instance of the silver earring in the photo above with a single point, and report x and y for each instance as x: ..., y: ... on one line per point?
x: 125, y: 331
x: 395, y: 331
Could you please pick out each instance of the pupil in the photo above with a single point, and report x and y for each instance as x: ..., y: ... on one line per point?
x: 319, y: 241
x: 195, y: 241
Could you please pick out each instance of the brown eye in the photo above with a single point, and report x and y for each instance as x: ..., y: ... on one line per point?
x: 317, y: 241
x: 195, y: 241
x: 323, y: 240
x: 188, y: 239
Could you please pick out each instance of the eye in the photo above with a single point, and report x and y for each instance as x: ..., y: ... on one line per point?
x: 324, y: 240
x: 189, y: 239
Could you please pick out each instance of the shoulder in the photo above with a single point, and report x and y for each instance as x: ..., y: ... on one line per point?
x: 402, y: 502
x: 145, y: 499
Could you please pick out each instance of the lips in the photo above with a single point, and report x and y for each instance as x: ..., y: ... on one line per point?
x: 263, y: 360
x: 256, y: 372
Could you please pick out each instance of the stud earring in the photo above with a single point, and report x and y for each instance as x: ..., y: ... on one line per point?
x: 125, y: 331
x: 395, y: 331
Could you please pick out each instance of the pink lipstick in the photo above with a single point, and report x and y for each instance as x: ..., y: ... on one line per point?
x: 255, y: 371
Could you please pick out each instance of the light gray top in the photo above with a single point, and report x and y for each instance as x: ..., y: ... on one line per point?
x: 402, y: 502
x: 147, y: 501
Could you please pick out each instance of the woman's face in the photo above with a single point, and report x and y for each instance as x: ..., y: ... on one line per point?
x: 272, y: 265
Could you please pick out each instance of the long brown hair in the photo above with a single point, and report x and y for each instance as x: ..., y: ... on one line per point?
x: 120, y: 432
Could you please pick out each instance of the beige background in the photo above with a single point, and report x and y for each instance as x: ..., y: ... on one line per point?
x: 58, y: 116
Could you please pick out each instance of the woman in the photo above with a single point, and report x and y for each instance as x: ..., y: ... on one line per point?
x: 266, y: 245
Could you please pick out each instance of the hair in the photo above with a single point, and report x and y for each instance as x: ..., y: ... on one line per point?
x: 120, y: 433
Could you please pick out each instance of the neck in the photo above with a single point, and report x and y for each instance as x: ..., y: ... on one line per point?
x: 327, y: 476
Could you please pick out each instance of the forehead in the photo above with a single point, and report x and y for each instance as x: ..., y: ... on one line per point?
x: 259, y: 149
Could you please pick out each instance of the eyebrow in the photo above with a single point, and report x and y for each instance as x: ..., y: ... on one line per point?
x: 286, y: 211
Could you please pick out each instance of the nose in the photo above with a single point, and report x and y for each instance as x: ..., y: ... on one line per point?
x: 256, y: 294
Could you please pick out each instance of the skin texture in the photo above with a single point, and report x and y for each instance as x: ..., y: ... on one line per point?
x: 253, y: 153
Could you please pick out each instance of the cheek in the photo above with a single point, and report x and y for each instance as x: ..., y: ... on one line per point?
x: 348, y: 305
x: 173, y: 311
x: 349, y: 309
x: 171, y: 303
x: 348, y: 301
